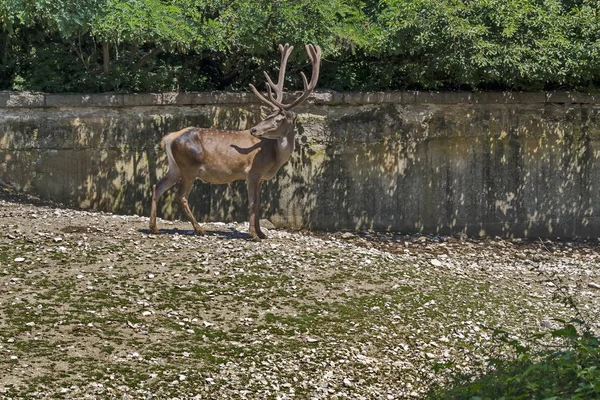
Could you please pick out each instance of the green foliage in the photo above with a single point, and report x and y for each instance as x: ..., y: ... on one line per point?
x: 58, y: 45
x: 570, y: 372
x: 519, y: 44
x: 64, y: 17
x: 561, y: 363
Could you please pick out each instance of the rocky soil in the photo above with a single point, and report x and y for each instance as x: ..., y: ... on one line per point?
x: 93, y: 306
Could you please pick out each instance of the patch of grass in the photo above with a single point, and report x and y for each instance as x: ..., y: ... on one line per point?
x: 189, y: 294
x: 289, y: 325
x: 38, y: 347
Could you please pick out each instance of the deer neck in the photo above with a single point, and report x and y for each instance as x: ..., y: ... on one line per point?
x: 285, y: 145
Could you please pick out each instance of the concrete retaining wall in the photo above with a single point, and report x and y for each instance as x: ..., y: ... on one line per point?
x: 509, y: 164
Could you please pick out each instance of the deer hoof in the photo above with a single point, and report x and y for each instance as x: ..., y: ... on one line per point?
x: 199, y: 231
x: 257, y: 236
x: 154, y: 230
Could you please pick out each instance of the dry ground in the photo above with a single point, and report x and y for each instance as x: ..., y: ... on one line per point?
x: 92, y: 306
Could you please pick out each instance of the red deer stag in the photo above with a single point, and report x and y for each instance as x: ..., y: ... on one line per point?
x: 220, y: 156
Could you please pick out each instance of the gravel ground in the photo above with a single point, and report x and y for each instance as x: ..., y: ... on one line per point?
x: 93, y: 306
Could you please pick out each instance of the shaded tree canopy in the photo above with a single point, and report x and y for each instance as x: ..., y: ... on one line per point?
x: 197, y: 45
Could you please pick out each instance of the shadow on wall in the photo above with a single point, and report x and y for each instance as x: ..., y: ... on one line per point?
x: 483, y: 170
x: 108, y: 158
x: 495, y: 169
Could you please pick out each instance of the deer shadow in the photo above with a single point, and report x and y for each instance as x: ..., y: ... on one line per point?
x: 223, y: 234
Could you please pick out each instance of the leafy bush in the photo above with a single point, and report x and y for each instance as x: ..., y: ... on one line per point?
x: 562, y: 363
x: 147, y: 45
x: 571, y: 372
x: 521, y: 44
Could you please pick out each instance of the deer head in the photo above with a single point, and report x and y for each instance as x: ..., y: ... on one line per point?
x: 281, y: 120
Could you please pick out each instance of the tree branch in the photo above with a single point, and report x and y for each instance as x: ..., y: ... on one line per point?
x: 153, y: 53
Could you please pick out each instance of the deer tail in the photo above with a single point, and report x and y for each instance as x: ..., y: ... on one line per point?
x: 165, y: 143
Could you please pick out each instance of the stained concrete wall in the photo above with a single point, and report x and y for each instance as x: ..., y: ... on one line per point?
x: 509, y: 164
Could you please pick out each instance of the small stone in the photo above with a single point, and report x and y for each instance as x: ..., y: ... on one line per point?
x: 435, y: 262
x: 265, y: 223
x: 147, y: 313
x: 546, y: 324
x: 19, y: 259
x: 150, y: 276
x: 348, y: 235
x: 594, y: 285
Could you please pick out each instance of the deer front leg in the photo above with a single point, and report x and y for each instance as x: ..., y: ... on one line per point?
x: 253, y: 184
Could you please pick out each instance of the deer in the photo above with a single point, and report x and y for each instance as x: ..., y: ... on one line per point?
x: 222, y: 156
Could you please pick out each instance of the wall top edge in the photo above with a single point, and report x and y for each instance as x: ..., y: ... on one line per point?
x: 48, y: 100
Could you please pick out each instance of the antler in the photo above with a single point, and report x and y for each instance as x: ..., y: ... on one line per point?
x: 314, y: 54
x: 278, y: 88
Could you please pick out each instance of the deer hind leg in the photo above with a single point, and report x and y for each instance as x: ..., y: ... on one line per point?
x: 158, y: 190
x: 184, y: 190
x: 254, y: 205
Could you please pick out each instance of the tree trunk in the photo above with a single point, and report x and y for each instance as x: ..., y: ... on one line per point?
x: 106, y: 58
x: 4, y: 38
